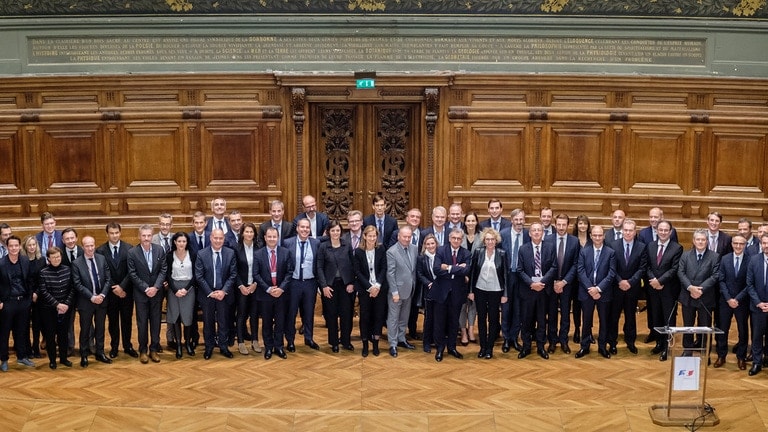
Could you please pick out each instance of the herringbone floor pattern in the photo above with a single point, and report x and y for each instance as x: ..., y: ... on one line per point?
x: 320, y: 390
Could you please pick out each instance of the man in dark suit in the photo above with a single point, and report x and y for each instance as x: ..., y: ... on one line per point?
x: 164, y: 234
x: 401, y: 277
x: 495, y: 219
x: 717, y: 241
x: 69, y: 253
x: 455, y: 217
x: 512, y: 237
x: 49, y: 236
x: 698, y: 274
x: 120, y: 296
x: 744, y: 227
x: 232, y: 237
x: 302, y: 291
x: 284, y: 229
x: 567, y: 250
x: 536, y: 270
x: 218, y: 219
x: 663, y: 259
x: 318, y: 221
x: 355, y: 233
x: 734, y: 302
x: 147, y: 269
x: 616, y: 232
x: 383, y: 222
x: 631, y: 259
x: 273, y: 267
x: 596, y: 272
x: 449, y: 292
x: 438, y: 228
x: 16, y: 288
x: 545, y: 216
x: 198, y: 237
x: 92, y: 282
x: 215, y: 275
x: 757, y: 287
x: 756, y: 248
x: 648, y: 234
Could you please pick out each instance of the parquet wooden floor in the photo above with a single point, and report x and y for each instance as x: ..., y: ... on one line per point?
x: 319, y: 391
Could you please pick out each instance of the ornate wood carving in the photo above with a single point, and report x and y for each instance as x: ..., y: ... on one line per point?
x: 337, y: 133
x: 394, y: 135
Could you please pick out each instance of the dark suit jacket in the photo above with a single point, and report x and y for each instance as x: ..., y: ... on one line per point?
x: 118, y: 269
x: 390, y: 226
x: 666, y: 271
x: 755, y: 248
x: 733, y: 285
x: 504, y: 223
x: 286, y: 231
x: 758, y: 291
x: 241, y: 261
x: 704, y: 274
x: 65, y: 255
x: 5, y: 281
x: 230, y: 240
x: 723, y: 243
x: 570, y: 256
x: 360, y: 263
x: 83, y: 281
x: 139, y: 273
x: 192, y: 243
x: 262, y: 275
x: 526, y: 271
x: 646, y: 235
x: 500, y: 261
x: 431, y: 230
x: 204, y: 271
x: 209, y: 225
x: 424, y: 276
x: 605, y: 276
x: 634, y: 270
x: 507, y: 242
x: 417, y: 234
x: 450, y: 281
x: 331, y: 261
x: 321, y: 220
x: 42, y: 240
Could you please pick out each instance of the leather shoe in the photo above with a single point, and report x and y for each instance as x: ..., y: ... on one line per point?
x: 348, y: 347
x: 226, y: 353
x: 488, y: 354
x: 632, y: 349
x: 66, y: 363
x: 335, y: 348
x: 516, y: 345
x: 406, y: 345
x: 427, y: 348
x: 154, y: 356
x: 481, y: 354
x: 755, y: 369
x: 663, y: 355
x: 566, y: 349
x: 719, y: 362
x: 104, y: 359
x: 657, y: 349
x: 576, y: 336
x: 742, y: 364
x: 581, y: 353
x: 280, y: 353
x: 552, y: 348
x: 393, y: 351
x: 543, y: 353
x: 84, y: 362
x: 455, y: 353
x: 112, y: 353
x: 132, y: 352
x: 312, y: 344
x: 267, y: 354
x: 603, y: 352
x: 291, y: 347
x: 208, y: 353
x: 505, y: 346
x: 613, y: 350
x: 144, y: 358
x: 439, y: 356
x: 523, y: 353
x: 52, y: 365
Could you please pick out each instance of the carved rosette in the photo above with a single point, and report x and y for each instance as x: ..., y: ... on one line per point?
x: 337, y: 132
x: 393, y: 137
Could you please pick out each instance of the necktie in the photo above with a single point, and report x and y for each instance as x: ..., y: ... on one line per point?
x: 50, y: 241
x: 617, y: 234
x: 408, y: 258
x: 537, y: 263
x: 736, y: 266
x: 415, y: 238
x: 355, y: 241
x: 381, y: 227
x: 3, y: 251
x: 660, y: 254
x: 301, y: 260
x: 560, y: 257
x: 655, y: 236
x: 94, y: 276
x: 220, y: 225
x: 765, y: 274
x: 698, y: 258
x: 217, y: 272
x: 514, y: 252
x: 72, y: 256
x: 277, y: 227
x: 148, y: 257
x: 454, y: 257
x: 712, y: 243
x: 626, y: 254
x: 439, y: 236
x: 496, y: 225
x: 273, y: 266
x: 166, y: 244
x: 114, y: 253
x: 597, y: 261
x: 200, y: 242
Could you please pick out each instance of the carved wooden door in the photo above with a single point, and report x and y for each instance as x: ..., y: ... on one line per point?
x: 360, y: 150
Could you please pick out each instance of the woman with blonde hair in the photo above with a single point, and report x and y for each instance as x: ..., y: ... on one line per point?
x: 370, y: 262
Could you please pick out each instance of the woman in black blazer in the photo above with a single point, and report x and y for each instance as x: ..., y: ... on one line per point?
x: 370, y: 261
x: 337, y: 282
x: 426, y: 276
x: 247, y: 306
x: 488, y: 289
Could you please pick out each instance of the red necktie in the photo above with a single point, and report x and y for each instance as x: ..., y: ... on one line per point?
x: 273, y: 266
x: 50, y: 241
x: 661, y: 252
x: 454, y: 257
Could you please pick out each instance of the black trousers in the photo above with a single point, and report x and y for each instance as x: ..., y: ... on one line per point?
x: 337, y: 312
x: 303, y: 296
x: 217, y: 321
x: 488, y: 317
x: 148, y: 314
x: 120, y: 316
x: 727, y: 315
x: 14, y: 318
x: 533, y: 311
x: 588, y: 308
x: 92, y: 321
x: 623, y: 302
x: 559, y: 303
x: 273, y: 312
x: 247, y: 311
x: 373, y: 314
x: 55, y: 332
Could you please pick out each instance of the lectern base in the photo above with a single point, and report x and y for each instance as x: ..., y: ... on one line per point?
x: 681, y: 415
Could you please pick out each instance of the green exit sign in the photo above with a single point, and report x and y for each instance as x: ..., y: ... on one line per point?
x: 366, y: 83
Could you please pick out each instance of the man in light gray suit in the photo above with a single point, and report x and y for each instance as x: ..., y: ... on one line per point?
x: 401, y: 276
x: 699, y: 274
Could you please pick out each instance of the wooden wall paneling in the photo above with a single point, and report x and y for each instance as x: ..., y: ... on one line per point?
x: 13, y: 155
x: 495, y: 157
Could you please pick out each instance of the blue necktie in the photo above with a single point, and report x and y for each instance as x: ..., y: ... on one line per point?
x: 217, y: 272
x: 301, y: 261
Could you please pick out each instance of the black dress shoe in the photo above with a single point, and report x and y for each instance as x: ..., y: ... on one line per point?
x: 603, y: 352
x: 267, y: 354
x: 657, y: 349
x: 52, y: 365
x: 543, y: 353
x: 113, y: 353
x: 208, y: 353
x: 552, y: 348
x: 312, y: 344
x: 348, y: 347
x: 226, y: 353
x: 406, y: 345
x: 755, y: 369
x: 104, y: 359
x: 132, y: 352
x: 84, y: 362
x: 481, y: 354
x: 335, y: 348
x: 516, y: 345
x: 566, y: 349
x: 439, y: 356
x: 280, y: 353
x: 66, y: 363
x: 393, y: 351
x: 455, y: 353
x: 427, y: 348
x: 190, y: 349
x: 576, y: 336
x: 613, y: 350
x: 649, y: 339
x: 488, y: 354
x: 505, y: 346
x: 581, y: 353
x: 523, y: 353
x: 291, y: 347
x: 663, y: 355
x: 632, y: 348
x: 414, y: 336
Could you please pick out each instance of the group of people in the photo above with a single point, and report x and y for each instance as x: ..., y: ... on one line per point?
x: 519, y: 284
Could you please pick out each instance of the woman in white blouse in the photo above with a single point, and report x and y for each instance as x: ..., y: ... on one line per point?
x: 488, y: 289
x: 181, y: 291
x: 247, y: 306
